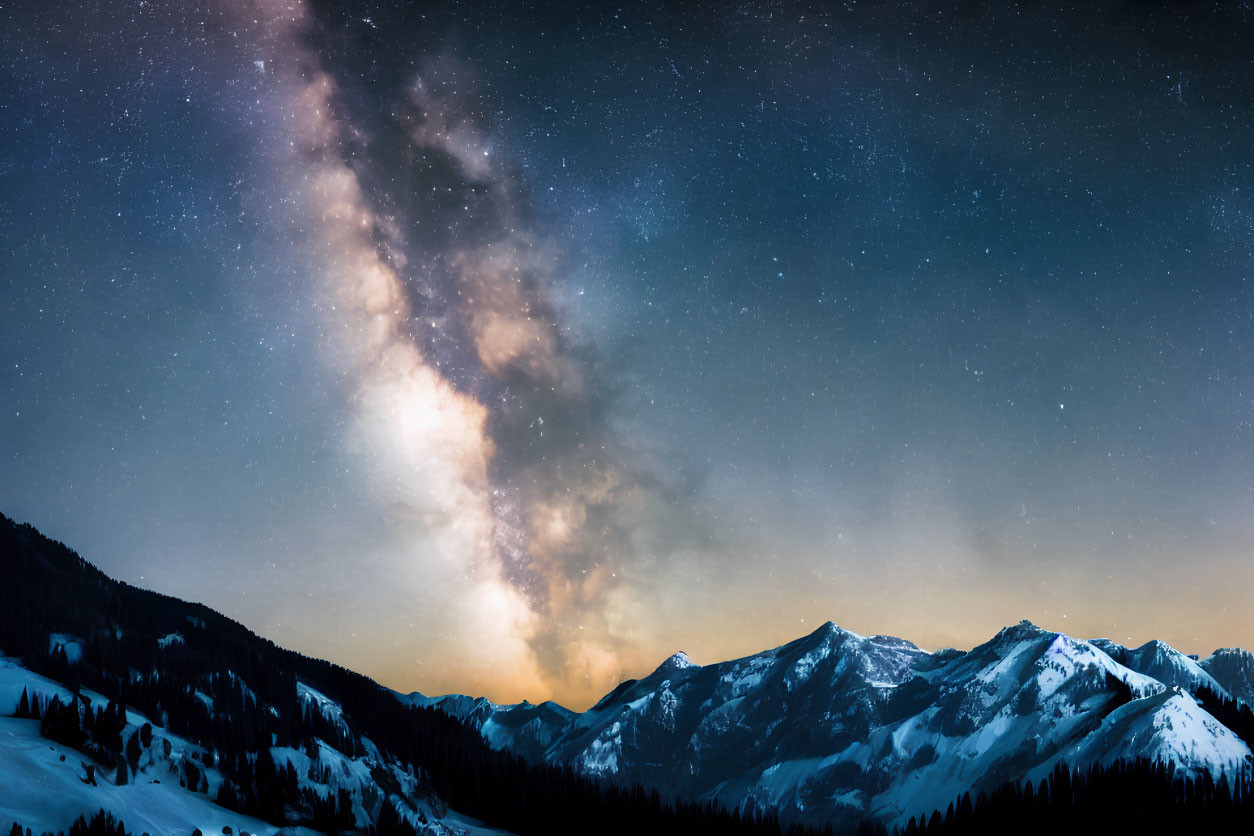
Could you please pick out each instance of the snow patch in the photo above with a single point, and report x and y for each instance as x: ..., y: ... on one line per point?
x: 42, y: 792
x: 73, y: 646
x: 324, y: 704
x: 172, y: 638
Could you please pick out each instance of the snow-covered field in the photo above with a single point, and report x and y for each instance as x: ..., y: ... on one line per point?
x: 44, y: 785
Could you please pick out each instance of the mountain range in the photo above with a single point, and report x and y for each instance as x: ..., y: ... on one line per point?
x: 841, y: 727
x: 167, y: 717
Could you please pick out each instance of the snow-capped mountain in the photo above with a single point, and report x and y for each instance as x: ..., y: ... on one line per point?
x: 839, y: 726
x: 1162, y: 662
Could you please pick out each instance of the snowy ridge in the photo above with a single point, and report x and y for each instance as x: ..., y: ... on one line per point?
x: 837, y: 725
x: 1233, y: 668
x: 522, y: 727
x: 1164, y: 663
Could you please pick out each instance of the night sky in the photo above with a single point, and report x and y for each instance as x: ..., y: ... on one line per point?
x: 507, y: 349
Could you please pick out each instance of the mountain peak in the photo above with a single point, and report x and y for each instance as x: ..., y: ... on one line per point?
x: 675, y: 662
x: 829, y: 629
x: 1023, y: 630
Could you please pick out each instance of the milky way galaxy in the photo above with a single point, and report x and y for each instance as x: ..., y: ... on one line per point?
x: 507, y: 350
x: 527, y: 538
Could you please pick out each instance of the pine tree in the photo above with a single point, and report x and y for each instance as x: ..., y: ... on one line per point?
x: 192, y: 774
x: 133, y: 751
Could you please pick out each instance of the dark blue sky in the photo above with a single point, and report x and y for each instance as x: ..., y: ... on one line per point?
x: 584, y: 334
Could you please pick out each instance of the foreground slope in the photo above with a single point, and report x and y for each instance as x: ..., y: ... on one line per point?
x: 44, y: 784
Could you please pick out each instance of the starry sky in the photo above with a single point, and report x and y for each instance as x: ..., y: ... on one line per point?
x: 507, y: 348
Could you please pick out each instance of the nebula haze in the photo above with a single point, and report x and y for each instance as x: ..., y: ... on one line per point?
x: 507, y: 351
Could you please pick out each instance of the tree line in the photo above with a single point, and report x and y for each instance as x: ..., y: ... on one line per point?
x: 1127, y: 796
